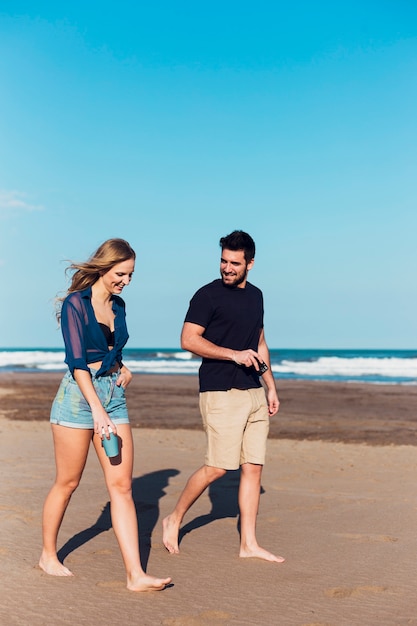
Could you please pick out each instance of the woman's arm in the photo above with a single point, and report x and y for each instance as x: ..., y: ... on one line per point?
x: 73, y: 332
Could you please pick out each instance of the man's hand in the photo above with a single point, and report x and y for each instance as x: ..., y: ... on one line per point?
x: 247, y: 358
x: 273, y: 402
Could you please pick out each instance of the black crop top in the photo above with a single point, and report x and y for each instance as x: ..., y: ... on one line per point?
x: 109, y: 334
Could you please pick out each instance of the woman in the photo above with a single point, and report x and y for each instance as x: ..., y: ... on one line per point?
x: 91, y: 400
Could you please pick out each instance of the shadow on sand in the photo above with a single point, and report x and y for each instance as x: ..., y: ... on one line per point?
x: 147, y: 492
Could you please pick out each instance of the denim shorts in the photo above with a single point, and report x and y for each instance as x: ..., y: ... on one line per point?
x: 70, y: 408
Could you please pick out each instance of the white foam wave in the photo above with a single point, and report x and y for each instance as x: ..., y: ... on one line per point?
x: 181, y: 362
x: 163, y: 366
x: 355, y: 367
x: 39, y: 359
x: 45, y: 360
x: 175, y: 355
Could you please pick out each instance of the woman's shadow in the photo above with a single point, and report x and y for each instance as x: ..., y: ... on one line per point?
x: 147, y: 490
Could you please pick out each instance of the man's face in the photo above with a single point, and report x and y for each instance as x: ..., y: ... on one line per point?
x: 233, y: 268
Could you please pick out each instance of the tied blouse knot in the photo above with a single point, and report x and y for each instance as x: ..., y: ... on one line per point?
x: 84, y: 339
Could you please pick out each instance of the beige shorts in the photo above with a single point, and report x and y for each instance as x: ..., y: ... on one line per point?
x: 236, y: 423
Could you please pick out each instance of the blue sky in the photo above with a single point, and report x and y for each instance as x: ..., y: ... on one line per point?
x: 171, y: 124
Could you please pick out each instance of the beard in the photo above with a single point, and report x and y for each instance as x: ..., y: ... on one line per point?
x: 233, y: 281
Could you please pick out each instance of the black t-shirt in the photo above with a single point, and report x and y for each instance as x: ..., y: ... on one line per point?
x: 232, y: 318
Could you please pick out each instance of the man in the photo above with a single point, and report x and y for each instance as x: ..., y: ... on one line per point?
x: 224, y: 325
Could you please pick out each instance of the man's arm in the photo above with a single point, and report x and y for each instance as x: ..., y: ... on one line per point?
x: 268, y: 378
x: 192, y: 340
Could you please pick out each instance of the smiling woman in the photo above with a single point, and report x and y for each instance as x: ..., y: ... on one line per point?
x: 92, y: 300
x: 111, y: 253
x: 90, y: 405
x: 119, y: 276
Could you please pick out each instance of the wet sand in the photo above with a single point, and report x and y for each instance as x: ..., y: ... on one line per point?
x: 339, y: 501
x: 351, y: 413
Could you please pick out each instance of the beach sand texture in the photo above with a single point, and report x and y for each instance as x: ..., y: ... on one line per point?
x: 343, y: 513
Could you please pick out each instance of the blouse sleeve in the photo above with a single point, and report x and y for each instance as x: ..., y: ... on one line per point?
x: 121, y: 334
x: 73, y: 331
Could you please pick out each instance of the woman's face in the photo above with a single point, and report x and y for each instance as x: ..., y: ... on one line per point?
x: 120, y: 275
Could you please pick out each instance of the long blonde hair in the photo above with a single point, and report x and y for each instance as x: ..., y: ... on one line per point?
x: 109, y: 254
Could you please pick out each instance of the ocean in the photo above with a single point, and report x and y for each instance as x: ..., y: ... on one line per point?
x: 367, y: 366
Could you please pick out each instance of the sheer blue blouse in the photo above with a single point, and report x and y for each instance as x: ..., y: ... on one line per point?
x: 84, y: 340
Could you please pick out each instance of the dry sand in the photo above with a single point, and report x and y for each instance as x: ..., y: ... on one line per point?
x: 343, y: 514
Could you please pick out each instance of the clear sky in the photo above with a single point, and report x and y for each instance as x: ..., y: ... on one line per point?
x: 172, y: 123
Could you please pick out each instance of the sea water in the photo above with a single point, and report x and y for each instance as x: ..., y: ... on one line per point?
x: 370, y: 366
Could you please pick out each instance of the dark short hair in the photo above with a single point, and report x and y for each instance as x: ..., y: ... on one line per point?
x: 239, y: 240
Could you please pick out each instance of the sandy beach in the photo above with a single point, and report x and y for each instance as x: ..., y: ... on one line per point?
x: 338, y: 501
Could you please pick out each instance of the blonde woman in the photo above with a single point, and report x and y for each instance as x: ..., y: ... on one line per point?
x: 91, y: 400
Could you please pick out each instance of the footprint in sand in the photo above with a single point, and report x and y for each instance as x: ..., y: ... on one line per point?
x: 112, y: 584
x: 214, y: 618
x: 16, y: 513
x: 103, y: 551
x: 346, y: 592
x: 318, y: 624
x: 368, y: 538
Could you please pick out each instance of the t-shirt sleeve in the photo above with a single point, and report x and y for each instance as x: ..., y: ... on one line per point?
x: 73, y: 331
x: 200, y: 309
x: 262, y: 303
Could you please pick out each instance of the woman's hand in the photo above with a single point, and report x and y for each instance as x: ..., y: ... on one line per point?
x: 100, y: 418
x: 102, y: 422
x: 125, y: 377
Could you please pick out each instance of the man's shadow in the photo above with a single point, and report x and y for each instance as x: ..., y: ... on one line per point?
x: 224, y: 497
x: 147, y: 490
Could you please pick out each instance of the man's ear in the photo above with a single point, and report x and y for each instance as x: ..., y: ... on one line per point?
x: 250, y: 264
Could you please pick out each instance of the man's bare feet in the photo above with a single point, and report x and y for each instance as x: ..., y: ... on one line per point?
x: 53, y: 567
x: 170, y: 534
x: 148, y: 583
x: 259, y: 553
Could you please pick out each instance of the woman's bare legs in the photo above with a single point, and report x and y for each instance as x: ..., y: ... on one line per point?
x: 71, y: 450
x: 123, y: 513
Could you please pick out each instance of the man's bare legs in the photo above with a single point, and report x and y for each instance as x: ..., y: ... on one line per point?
x: 197, y: 483
x: 71, y: 449
x: 249, y: 495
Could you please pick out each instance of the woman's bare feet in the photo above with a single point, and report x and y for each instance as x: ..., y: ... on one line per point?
x: 256, y: 552
x: 170, y: 534
x: 147, y: 583
x: 53, y: 567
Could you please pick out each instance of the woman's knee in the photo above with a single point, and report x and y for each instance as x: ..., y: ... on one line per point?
x: 67, y: 485
x: 120, y: 487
